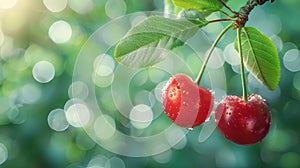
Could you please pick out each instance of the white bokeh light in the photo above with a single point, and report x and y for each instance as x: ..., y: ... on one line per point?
x: 106, y: 61
x: 291, y: 60
x: 104, y: 66
x: 296, y: 81
x: 217, y: 59
x: 71, y: 102
x: 158, y: 91
x: 81, y: 7
x: 60, y: 32
x: 98, y: 161
x: 180, y: 141
x: 218, y: 94
x: 117, y: 31
x: 103, y: 81
x: 7, y: 4
x: 104, y: 127
x: 156, y: 75
x: 30, y: 93
x: 79, y: 90
x: 213, y: 30
x: 115, y: 162
x: 78, y: 115
x: 3, y: 153
x: 57, y: 120
x: 277, y: 41
x: 137, y: 19
x: 271, y: 95
x: 55, y: 5
x: 253, y: 82
x: 236, y: 68
x: 231, y: 55
x: 104, y: 70
x: 115, y: 8
x: 43, y: 71
x: 141, y: 116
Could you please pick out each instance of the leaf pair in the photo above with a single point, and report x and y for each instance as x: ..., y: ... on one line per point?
x: 150, y: 41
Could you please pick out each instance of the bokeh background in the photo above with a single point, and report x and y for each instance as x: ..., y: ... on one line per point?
x: 39, y: 44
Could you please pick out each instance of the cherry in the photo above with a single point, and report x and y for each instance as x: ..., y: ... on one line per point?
x: 243, y: 122
x: 185, y: 103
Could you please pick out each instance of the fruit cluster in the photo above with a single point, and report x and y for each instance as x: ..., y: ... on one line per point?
x: 244, y: 120
x: 188, y: 105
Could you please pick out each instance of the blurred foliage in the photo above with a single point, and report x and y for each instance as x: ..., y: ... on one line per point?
x: 28, y: 92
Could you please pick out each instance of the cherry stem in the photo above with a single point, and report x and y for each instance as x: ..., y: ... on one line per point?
x: 226, y: 6
x: 225, y: 13
x: 198, y: 79
x: 242, y: 64
x: 220, y: 20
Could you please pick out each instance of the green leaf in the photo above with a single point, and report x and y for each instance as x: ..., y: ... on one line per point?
x: 149, y: 42
x: 207, y: 6
x: 260, y: 56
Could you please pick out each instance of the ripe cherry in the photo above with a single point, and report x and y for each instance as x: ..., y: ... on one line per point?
x: 243, y: 122
x: 185, y: 103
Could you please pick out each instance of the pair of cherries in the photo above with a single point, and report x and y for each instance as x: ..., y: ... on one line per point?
x: 188, y: 105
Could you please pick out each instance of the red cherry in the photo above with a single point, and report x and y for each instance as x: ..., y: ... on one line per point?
x: 243, y: 122
x: 185, y: 103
